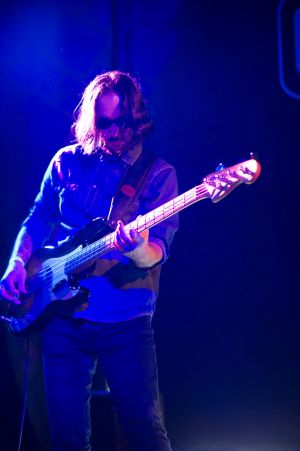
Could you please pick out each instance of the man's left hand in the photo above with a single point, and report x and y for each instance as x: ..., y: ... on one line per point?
x: 137, y: 246
x: 128, y: 241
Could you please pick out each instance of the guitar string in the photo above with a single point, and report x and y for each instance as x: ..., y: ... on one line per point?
x: 94, y: 249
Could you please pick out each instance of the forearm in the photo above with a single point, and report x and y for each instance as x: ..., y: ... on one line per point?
x: 23, y: 246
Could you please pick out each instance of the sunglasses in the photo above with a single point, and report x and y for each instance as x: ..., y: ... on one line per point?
x: 103, y: 123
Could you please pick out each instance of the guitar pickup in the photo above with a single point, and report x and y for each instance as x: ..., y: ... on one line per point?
x: 62, y: 288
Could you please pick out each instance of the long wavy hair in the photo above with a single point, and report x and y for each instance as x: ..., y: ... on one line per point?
x: 132, y: 104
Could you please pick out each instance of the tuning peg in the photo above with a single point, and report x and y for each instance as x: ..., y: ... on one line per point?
x: 220, y: 167
x: 254, y: 156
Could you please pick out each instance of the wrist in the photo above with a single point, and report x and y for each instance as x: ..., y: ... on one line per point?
x: 148, y: 256
x: 17, y: 258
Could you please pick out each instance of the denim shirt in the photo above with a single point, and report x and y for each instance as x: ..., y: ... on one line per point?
x: 79, y: 187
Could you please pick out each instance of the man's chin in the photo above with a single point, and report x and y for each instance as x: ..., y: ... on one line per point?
x: 115, y: 149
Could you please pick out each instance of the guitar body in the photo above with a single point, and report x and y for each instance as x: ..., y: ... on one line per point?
x: 52, y: 289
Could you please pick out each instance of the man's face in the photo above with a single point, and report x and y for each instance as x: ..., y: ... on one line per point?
x: 114, y: 132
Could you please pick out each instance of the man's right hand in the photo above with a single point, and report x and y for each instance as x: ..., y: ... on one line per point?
x: 12, y: 283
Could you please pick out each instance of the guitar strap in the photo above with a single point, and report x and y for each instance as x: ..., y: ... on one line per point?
x: 130, y: 188
x: 124, y: 207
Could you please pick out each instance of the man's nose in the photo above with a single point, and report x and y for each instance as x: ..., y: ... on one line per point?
x: 114, y: 130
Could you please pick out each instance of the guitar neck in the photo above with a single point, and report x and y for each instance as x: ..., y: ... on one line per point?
x: 141, y: 223
x: 168, y: 209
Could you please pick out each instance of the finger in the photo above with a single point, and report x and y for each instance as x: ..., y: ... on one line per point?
x: 135, y: 236
x: 125, y: 246
x: 118, y: 243
x: 22, y: 285
x: 8, y: 296
x: 123, y: 240
x: 12, y: 288
x: 145, y: 234
x: 123, y: 237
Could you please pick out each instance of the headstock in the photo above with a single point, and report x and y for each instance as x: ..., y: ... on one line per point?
x: 220, y: 183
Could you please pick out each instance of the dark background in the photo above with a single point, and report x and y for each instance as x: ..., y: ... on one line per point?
x: 221, y: 82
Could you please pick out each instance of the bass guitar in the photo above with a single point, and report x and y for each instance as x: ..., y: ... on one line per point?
x: 52, y: 283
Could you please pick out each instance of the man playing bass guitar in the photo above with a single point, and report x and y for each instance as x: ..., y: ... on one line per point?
x: 106, y: 174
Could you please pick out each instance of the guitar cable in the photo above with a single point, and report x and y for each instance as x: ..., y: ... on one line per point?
x: 25, y: 391
x: 25, y: 384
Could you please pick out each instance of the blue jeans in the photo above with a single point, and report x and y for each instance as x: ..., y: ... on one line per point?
x: 126, y: 354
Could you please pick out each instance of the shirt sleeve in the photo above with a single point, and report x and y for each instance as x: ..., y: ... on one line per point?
x: 44, y: 214
x: 163, y: 188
